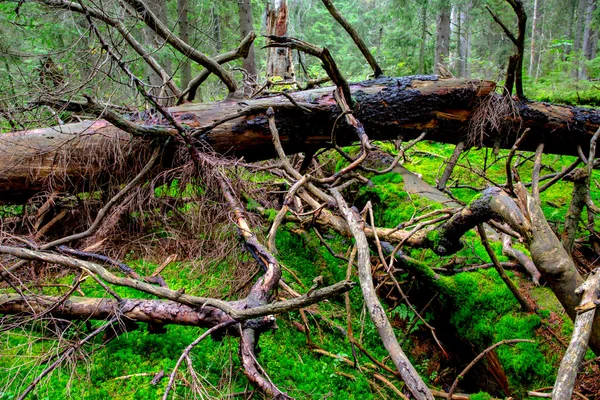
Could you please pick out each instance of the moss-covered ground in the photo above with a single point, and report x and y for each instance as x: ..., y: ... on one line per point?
x: 474, y: 308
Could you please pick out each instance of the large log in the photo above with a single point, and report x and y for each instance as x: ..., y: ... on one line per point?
x: 33, y: 160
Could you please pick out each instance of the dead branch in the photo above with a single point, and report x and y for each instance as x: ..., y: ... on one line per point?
x: 321, y: 53
x: 515, y: 68
x: 535, y: 174
x: 63, y: 356
x: 126, y: 33
x: 450, y: 166
x: 187, y: 351
x: 189, y: 94
x: 523, y: 260
x: 235, y: 310
x: 252, y: 368
x: 569, y: 366
x: 410, y: 376
x: 354, y: 35
x: 145, y: 15
x: 478, y: 358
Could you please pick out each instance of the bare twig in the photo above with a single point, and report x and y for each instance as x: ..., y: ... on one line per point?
x: 187, y: 351
x: 479, y: 357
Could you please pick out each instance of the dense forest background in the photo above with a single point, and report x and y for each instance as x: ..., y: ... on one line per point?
x: 180, y: 224
x: 405, y: 37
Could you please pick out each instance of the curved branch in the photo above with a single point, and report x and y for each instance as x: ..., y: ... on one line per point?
x: 188, y: 51
x: 354, y: 35
x: 189, y: 94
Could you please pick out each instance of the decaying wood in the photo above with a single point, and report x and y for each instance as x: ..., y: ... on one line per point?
x: 238, y: 311
x: 522, y: 258
x: 547, y: 253
x: 569, y: 366
x: 32, y: 161
x: 478, y: 358
x: 410, y: 376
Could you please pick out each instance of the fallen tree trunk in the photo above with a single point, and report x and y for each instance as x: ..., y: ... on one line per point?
x: 67, y: 157
x: 163, y: 312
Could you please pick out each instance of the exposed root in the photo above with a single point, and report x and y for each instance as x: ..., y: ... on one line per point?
x: 494, y: 114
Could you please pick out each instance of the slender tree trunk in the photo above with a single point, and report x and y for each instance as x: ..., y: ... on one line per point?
x: 534, y: 26
x: 182, y: 11
x: 465, y: 39
x: 279, y: 60
x: 246, y: 26
x: 423, y: 37
x: 455, y: 32
x: 442, y: 43
x: 588, y: 37
x: 159, y: 9
x: 580, y: 15
x: 215, y: 19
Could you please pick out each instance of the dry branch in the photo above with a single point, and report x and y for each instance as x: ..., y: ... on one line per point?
x: 410, y: 376
x: 569, y: 366
x: 355, y: 36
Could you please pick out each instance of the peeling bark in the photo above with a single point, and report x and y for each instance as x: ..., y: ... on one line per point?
x: 567, y: 372
x: 32, y: 160
x: 547, y: 253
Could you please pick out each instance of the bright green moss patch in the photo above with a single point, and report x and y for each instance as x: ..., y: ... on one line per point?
x: 486, y: 312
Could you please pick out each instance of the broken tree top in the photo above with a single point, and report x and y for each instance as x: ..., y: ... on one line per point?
x: 450, y: 110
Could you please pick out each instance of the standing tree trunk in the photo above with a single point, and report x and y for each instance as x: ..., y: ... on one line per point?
x: 580, y: 15
x: 215, y: 20
x: 182, y: 11
x: 159, y: 9
x: 279, y: 60
x: 534, y: 26
x: 442, y: 41
x: 588, y: 37
x: 246, y: 26
x: 423, y: 37
x: 465, y: 39
x: 455, y: 31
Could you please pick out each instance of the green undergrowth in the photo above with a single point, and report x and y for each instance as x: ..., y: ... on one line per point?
x: 477, y: 305
x: 572, y: 92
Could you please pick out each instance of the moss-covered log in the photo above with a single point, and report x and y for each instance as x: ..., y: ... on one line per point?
x: 34, y: 160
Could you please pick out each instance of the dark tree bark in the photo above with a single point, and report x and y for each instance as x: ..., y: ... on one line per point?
x: 386, y: 107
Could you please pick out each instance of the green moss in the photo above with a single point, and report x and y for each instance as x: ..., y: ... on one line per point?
x: 481, y: 396
x: 486, y: 312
